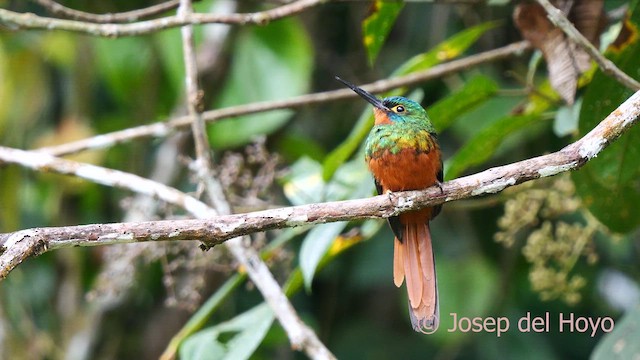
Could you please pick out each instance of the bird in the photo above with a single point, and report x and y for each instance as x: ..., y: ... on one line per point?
x: 402, y: 153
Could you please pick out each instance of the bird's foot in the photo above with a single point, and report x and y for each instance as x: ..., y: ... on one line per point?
x: 391, y: 195
x: 439, y: 185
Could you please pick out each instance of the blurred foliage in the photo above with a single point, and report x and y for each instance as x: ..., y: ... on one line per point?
x: 610, y: 184
x: 542, y: 247
x: 621, y: 343
x: 553, y: 244
x: 446, y: 50
x: 377, y: 25
x: 276, y: 61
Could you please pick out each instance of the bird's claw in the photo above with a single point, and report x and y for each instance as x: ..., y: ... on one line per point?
x: 391, y: 196
x: 439, y: 185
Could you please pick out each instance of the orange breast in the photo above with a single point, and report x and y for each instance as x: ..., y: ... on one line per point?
x: 407, y: 170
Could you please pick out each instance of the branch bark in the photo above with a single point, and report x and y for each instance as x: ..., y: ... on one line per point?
x: 203, y: 164
x: 162, y: 129
x: 18, y: 246
x: 300, y: 335
x: 16, y: 20
x: 129, y: 16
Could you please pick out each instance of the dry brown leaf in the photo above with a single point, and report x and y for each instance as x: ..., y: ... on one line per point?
x: 565, y: 60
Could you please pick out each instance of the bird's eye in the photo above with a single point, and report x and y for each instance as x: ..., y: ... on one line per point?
x: 398, y: 109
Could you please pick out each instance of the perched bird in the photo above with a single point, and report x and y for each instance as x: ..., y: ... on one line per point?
x: 402, y: 152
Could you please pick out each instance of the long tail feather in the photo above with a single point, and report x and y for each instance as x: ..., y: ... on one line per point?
x: 414, y: 260
x: 412, y: 266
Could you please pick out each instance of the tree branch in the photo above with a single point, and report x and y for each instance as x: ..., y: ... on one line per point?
x: 203, y: 165
x: 162, y: 129
x: 129, y: 16
x: 31, y: 21
x: 198, y: 130
x: 18, y: 246
x: 607, y: 66
x: 300, y: 335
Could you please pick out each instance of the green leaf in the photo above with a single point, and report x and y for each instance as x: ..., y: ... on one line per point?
x: 468, y: 286
x: 202, y: 315
x: 484, y: 144
x: 248, y: 329
x: 609, y: 184
x: 304, y: 184
x: 377, y: 25
x: 24, y: 96
x: 315, y: 246
x: 169, y: 45
x: 5, y: 91
x: 566, y: 120
x: 295, y: 146
x: 123, y: 64
x: 252, y: 326
x: 344, y: 151
x: 202, y: 346
x: 11, y: 179
x: 475, y: 91
x: 339, y: 245
x: 59, y: 47
x: 622, y: 342
x: 447, y: 50
x: 271, y: 62
x: 352, y: 181
x: 543, y: 98
x: 615, y: 205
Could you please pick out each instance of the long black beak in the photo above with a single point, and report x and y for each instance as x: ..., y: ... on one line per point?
x: 365, y: 95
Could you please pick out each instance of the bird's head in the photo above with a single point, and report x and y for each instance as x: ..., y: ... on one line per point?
x: 395, y: 109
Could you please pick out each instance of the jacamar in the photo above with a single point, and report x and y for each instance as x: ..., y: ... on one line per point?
x: 402, y: 152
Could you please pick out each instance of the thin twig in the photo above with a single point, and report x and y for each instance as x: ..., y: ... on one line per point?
x: 100, y: 175
x: 162, y: 129
x: 13, y: 19
x: 18, y: 246
x: 203, y: 164
x: 607, y: 66
x: 123, y: 17
x: 116, y: 278
x: 191, y: 85
x: 300, y: 335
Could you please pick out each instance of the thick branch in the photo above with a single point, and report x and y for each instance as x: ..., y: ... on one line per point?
x: 31, y: 21
x: 161, y: 129
x: 18, y: 246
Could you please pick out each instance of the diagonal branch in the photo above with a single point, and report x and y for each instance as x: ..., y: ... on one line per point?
x: 162, y: 129
x: 14, y: 19
x: 18, y: 246
x: 607, y: 66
